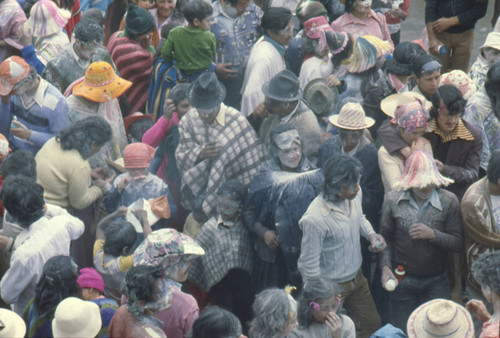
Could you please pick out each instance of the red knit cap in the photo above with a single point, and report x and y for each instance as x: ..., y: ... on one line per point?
x: 138, y: 155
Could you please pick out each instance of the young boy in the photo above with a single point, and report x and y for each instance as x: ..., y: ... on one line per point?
x: 192, y: 46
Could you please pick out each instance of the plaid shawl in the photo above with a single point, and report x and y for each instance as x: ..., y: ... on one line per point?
x: 135, y: 64
x: 240, y: 157
x: 226, y: 248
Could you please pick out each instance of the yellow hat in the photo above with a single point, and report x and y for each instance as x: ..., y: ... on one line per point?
x: 101, y: 84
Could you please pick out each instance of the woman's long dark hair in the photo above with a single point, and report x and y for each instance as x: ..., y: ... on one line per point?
x: 57, y: 283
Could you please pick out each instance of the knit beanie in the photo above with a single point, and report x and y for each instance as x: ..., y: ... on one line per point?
x: 276, y: 18
x: 138, y: 155
x: 90, y: 278
x: 138, y: 21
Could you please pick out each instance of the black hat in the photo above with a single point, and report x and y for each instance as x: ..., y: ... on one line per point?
x: 206, y: 92
x: 139, y: 21
x: 284, y: 87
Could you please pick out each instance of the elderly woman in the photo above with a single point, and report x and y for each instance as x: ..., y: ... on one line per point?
x: 273, y: 209
x: 275, y: 314
x: 409, y: 121
x: 173, y: 252
x: 318, y: 312
x: 57, y: 283
x: 224, y: 270
x: 147, y: 293
x: 486, y: 271
x: 359, y: 19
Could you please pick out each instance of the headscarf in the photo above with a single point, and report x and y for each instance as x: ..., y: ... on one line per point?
x: 315, y: 28
x: 410, y: 116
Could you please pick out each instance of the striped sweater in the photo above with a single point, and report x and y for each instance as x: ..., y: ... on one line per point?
x: 135, y: 64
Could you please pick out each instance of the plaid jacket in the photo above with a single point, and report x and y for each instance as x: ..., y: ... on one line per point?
x: 225, y: 248
x: 240, y: 158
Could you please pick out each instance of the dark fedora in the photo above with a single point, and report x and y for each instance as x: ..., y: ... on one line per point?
x: 284, y: 87
x: 206, y: 92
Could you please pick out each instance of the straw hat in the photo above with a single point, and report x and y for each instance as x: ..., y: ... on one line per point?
x: 390, y: 103
x: 420, y: 171
x: 11, y: 325
x: 101, y: 84
x: 320, y: 98
x: 440, y: 318
x: 458, y: 79
x: 76, y: 318
x: 46, y: 18
x: 352, y: 116
x: 12, y: 71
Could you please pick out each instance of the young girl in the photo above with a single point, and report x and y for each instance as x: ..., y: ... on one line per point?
x: 92, y: 287
x: 113, y: 250
x: 317, y: 312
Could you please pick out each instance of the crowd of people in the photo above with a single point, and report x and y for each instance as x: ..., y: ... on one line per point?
x: 229, y: 168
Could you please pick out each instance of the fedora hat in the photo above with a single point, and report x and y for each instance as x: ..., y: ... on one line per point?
x: 440, y: 318
x: 76, y: 318
x: 206, y: 92
x: 320, y: 98
x: 390, y: 103
x: 352, y: 116
x: 11, y: 324
x: 284, y: 87
x: 101, y: 84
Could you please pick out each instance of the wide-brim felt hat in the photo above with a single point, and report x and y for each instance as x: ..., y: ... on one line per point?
x: 391, y: 102
x: 320, y: 97
x: 284, y: 87
x: 352, y: 116
x: 440, y: 318
x: 101, y: 84
x: 206, y: 92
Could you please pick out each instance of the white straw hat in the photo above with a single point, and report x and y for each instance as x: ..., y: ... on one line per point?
x: 352, y: 116
x: 440, y: 318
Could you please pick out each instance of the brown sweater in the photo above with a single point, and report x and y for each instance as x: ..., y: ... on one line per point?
x: 420, y: 257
